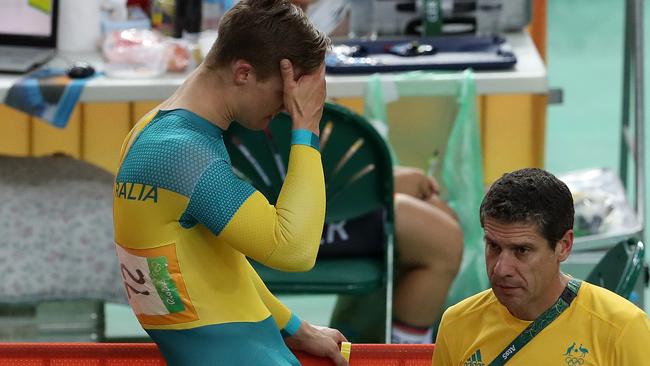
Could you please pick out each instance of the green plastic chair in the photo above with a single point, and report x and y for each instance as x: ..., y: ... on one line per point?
x: 358, y: 180
x: 619, y: 270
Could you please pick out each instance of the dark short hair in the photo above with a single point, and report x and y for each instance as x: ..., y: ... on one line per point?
x: 263, y: 32
x: 531, y: 195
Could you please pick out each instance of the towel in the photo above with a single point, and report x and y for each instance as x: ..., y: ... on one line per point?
x: 48, y: 94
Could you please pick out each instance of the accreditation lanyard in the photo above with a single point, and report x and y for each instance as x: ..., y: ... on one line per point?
x: 533, y: 329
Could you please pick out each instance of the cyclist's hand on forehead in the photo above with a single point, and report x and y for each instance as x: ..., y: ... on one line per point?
x: 304, y: 95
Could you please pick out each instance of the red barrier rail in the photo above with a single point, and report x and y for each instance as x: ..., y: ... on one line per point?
x: 147, y: 354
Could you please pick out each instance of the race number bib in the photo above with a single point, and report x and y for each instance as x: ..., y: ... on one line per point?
x: 154, y: 285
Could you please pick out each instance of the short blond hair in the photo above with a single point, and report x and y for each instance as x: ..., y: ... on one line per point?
x: 263, y: 32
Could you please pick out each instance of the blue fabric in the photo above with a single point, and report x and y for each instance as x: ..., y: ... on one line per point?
x: 184, y: 153
x: 172, y: 152
x: 68, y: 101
x: 48, y: 94
x: 199, y: 122
x: 305, y: 137
x: 213, y: 206
x: 240, y: 344
x: 292, y: 326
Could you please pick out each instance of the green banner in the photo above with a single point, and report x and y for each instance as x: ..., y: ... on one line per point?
x: 165, y: 286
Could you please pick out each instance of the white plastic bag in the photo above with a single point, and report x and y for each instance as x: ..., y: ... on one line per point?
x: 135, y: 53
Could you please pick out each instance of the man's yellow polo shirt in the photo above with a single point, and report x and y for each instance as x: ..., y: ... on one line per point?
x: 599, y: 328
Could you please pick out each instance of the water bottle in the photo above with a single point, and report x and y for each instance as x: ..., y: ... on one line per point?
x: 211, y: 14
x: 488, y: 15
x: 163, y: 16
x: 363, y: 23
x: 79, y: 25
x: 432, y: 18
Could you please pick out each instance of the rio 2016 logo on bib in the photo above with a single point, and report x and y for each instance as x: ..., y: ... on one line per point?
x: 154, y: 285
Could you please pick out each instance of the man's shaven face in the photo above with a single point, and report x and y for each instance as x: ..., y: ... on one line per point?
x: 271, y: 100
x: 263, y: 100
x: 520, y: 264
x: 266, y: 100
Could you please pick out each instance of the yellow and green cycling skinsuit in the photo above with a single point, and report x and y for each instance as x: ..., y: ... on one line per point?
x: 184, y: 225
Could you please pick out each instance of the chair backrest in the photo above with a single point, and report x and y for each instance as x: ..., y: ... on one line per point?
x: 358, y: 180
x: 619, y: 269
x: 356, y: 161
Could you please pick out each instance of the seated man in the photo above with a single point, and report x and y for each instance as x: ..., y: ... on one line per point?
x: 429, y: 242
x: 429, y: 247
x: 185, y: 224
x: 534, y: 314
